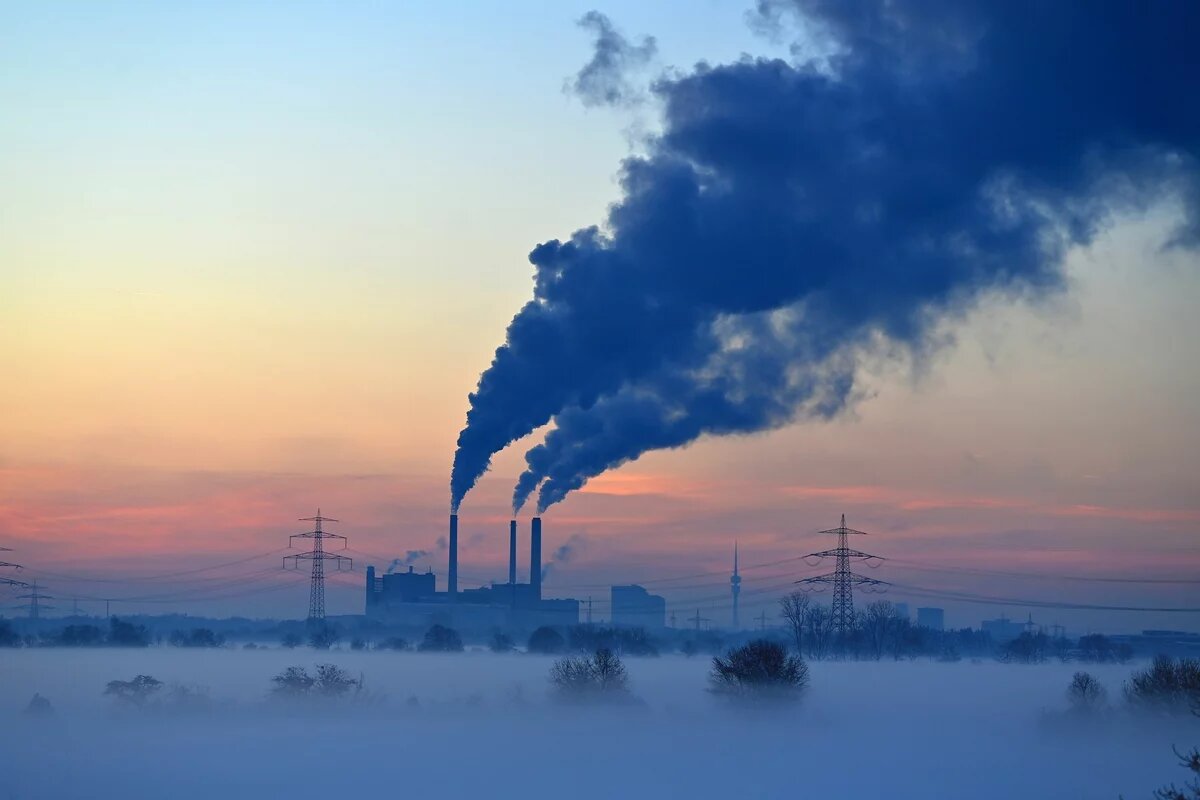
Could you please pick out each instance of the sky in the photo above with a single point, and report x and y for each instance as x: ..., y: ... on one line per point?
x: 255, y: 257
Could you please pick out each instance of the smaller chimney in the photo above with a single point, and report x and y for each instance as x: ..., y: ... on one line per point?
x: 452, y: 578
x: 535, y: 557
x: 512, y: 553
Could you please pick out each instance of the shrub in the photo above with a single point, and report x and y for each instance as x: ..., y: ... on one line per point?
x: 196, y: 637
x: 292, y: 640
x: 126, y: 634
x: 440, y: 639
x: 135, y: 692
x: 323, y: 637
x: 394, y: 643
x: 1167, y: 686
x: 760, y: 671
x: 293, y: 682
x: 8, y: 636
x: 80, y: 636
x: 358, y: 644
x: 600, y: 676
x: 546, y: 640
x: 501, y: 643
x: 1085, y: 694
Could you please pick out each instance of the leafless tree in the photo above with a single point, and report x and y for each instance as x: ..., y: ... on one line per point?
x: 794, y: 609
x: 818, y: 626
x: 879, y: 624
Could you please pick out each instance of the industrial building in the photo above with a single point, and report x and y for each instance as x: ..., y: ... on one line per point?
x: 932, y: 618
x: 412, y: 598
x: 634, y: 607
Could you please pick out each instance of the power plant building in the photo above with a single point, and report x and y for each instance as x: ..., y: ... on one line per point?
x: 634, y: 607
x: 932, y: 618
x: 411, y: 598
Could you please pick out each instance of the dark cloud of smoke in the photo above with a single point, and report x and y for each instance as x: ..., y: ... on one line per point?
x: 792, y: 219
x: 604, y: 80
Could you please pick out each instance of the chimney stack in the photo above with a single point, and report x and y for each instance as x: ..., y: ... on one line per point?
x: 512, y: 553
x: 452, y: 580
x: 535, y: 557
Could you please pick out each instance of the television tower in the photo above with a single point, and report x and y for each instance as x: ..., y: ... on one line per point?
x: 318, y: 556
x: 843, y: 579
x: 735, y: 586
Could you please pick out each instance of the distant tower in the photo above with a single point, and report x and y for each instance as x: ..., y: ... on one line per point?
x: 843, y: 579
x: 735, y: 586
x: 318, y: 557
x: 35, y: 605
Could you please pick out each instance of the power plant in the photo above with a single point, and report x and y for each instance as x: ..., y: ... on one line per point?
x: 412, y: 598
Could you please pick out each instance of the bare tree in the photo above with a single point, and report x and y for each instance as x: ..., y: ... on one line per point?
x: 601, y: 676
x: 761, y: 671
x: 818, y: 626
x: 879, y: 623
x: 794, y: 609
x: 1085, y: 694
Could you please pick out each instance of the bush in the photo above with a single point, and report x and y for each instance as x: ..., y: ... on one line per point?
x: 547, y: 641
x: 1085, y: 694
x: 600, y: 676
x: 126, y: 634
x: 135, y: 692
x: 394, y: 643
x: 440, y: 639
x: 323, y: 637
x: 8, y: 636
x: 1166, y: 686
x: 196, y: 637
x: 292, y: 640
x: 80, y: 636
x: 358, y: 644
x: 761, y: 671
x: 501, y: 643
x: 330, y: 681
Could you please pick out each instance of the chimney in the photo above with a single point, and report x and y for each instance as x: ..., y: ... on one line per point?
x: 370, y: 587
x: 452, y: 579
x: 512, y: 553
x: 535, y: 557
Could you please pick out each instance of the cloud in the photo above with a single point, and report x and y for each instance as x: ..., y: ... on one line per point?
x: 604, y: 80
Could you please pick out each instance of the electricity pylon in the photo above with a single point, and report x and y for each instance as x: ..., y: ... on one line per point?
x: 318, y: 556
x: 843, y: 579
x: 10, y: 581
x: 35, y: 604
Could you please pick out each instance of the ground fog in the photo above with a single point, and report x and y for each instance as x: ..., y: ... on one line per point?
x: 455, y: 725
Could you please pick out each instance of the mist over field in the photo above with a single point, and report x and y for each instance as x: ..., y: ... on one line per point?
x: 477, y: 723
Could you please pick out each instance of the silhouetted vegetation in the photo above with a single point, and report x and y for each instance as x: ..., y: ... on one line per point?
x: 8, y: 636
x: 1028, y: 648
x: 196, y: 637
x: 501, y: 643
x: 547, y: 641
x: 80, y: 636
x: 126, y: 634
x: 329, y: 681
x: 440, y: 639
x: 292, y: 640
x: 394, y: 643
x: 599, y: 677
x: 38, y: 707
x: 1086, y: 696
x: 761, y: 671
x: 1167, y: 686
x: 1099, y: 648
x: 624, y: 641
x: 136, y: 692
x: 323, y: 637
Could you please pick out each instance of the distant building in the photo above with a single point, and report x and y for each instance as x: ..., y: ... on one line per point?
x: 633, y: 606
x: 932, y: 618
x: 1003, y: 629
x: 901, y: 610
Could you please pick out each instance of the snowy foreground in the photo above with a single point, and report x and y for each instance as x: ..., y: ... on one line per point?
x: 482, y: 725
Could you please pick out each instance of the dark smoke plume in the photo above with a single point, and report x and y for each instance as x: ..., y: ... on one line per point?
x: 604, y: 79
x: 794, y: 218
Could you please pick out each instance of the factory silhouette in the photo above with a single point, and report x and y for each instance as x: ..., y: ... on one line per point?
x: 412, y: 598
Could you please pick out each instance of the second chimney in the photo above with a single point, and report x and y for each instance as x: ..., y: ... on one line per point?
x: 535, y: 557
x: 512, y: 553
x: 452, y: 578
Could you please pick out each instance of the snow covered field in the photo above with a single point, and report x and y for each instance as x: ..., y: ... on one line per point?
x: 482, y: 724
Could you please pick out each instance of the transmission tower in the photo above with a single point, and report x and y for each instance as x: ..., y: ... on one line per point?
x: 35, y: 605
x: 698, y: 619
x: 843, y: 579
x: 10, y: 581
x: 318, y: 556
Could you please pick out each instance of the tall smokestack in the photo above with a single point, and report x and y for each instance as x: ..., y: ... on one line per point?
x: 452, y: 580
x: 512, y: 553
x: 535, y: 557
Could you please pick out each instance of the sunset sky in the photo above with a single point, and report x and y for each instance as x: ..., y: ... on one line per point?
x: 253, y: 262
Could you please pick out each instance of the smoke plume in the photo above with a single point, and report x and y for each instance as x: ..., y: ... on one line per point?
x: 410, y: 557
x: 604, y: 79
x: 794, y: 218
